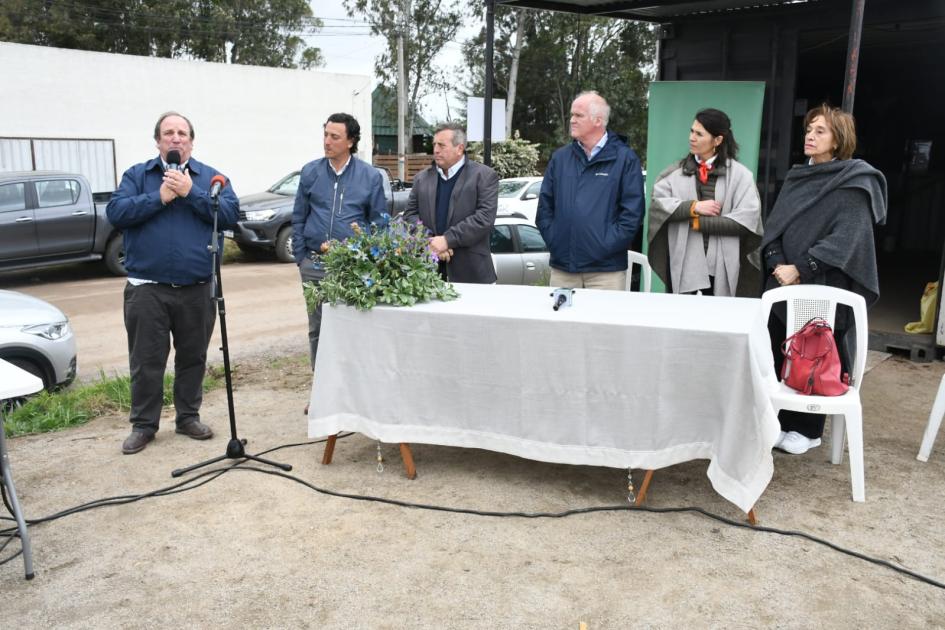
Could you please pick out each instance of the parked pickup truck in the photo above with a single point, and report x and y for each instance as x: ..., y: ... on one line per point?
x: 266, y: 218
x: 50, y: 218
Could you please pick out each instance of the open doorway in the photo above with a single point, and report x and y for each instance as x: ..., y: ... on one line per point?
x: 901, y: 131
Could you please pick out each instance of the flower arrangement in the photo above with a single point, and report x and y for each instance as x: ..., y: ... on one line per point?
x: 389, y: 263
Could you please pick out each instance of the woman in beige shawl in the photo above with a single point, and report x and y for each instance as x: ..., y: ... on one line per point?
x: 705, y: 215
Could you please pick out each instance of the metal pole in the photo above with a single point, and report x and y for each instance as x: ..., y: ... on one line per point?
x: 401, y: 98
x: 487, y: 101
x: 853, y: 55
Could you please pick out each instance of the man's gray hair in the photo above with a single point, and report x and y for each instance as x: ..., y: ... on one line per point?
x: 597, y: 107
x: 459, y: 134
x: 157, y: 125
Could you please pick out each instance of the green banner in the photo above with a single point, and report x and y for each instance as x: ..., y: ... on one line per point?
x: 673, y: 106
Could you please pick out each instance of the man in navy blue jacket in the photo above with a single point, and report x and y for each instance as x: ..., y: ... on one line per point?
x: 165, y: 214
x: 591, y: 201
x: 334, y: 192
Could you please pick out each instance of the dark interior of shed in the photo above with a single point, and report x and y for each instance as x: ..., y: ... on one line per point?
x: 901, y: 131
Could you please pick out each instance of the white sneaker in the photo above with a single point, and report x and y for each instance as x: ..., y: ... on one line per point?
x: 781, y: 435
x: 797, y: 444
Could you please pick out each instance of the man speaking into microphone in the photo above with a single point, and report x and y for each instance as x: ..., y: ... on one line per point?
x: 164, y: 210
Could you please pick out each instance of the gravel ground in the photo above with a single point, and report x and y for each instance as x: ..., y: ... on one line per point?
x: 254, y: 550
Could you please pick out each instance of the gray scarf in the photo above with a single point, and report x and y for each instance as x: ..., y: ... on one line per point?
x: 820, y: 223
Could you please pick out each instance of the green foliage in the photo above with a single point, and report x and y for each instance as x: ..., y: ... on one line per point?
x: 54, y: 411
x: 387, y: 264
x: 429, y: 26
x: 563, y: 55
x: 512, y: 158
x: 253, y: 32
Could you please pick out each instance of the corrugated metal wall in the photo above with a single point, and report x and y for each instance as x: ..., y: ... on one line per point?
x: 15, y: 155
x: 90, y: 157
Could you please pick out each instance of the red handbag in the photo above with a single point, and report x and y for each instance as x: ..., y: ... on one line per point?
x: 811, y: 361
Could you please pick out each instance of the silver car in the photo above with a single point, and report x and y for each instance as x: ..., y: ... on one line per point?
x: 36, y: 336
x: 519, y: 252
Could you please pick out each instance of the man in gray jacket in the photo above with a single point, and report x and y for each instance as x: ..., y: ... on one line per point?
x: 456, y: 199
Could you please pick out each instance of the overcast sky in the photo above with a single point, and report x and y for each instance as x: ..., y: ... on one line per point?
x: 348, y: 47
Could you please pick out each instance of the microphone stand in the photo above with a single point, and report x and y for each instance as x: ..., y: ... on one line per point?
x: 234, y: 448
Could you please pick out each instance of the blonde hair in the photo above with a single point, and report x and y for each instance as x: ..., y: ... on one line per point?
x: 841, y: 125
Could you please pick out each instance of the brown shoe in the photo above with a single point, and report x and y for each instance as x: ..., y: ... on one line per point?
x: 306, y: 410
x: 196, y: 430
x: 136, y: 442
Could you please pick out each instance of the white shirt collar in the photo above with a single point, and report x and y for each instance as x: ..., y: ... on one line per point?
x: 710, y: 161
x: 453, y: 169
x: 342, y: 170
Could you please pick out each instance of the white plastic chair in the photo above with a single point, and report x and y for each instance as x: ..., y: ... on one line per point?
x: 846, y: 411
x: 935, y: 421
x: 646, y: 272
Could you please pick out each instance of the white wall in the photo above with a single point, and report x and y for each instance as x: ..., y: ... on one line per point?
x: 253, y: 124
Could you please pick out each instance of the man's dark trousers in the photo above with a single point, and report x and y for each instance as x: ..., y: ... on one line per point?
x: 310, y: 273
x: 155, y: 313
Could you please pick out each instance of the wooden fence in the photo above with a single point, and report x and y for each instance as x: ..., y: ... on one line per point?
x: 416, y: 162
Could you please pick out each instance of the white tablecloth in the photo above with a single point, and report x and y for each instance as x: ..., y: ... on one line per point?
x: 618, y: 379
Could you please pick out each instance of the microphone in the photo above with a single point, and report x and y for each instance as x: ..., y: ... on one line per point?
x: 562, y: 297
x: 216, y: 185
x: 173, y: 160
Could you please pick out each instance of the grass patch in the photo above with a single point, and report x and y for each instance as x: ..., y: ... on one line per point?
x: 54, y: 411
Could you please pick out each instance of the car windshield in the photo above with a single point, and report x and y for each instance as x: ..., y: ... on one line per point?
x: 286, y: 186
x: 511, y: 187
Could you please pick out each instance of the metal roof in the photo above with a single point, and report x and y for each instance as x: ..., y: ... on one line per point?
x: 647, y: 10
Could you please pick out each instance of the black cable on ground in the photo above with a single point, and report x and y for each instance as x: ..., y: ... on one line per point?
x: 210, y: 475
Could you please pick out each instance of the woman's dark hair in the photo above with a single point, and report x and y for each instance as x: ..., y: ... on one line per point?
x: 717, y: 123
x: 352, y: 128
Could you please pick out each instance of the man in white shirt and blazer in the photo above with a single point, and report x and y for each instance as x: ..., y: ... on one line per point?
x: 456, y: 199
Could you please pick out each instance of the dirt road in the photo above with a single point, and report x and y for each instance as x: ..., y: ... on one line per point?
x: 264, y: 311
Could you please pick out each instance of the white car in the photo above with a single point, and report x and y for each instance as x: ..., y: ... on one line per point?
x: 519, y: 252
x: 36, y: 336
x: 520, y: 194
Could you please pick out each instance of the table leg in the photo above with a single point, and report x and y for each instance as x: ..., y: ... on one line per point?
x: 6, y: 478
x: 641, y: 496
x: 751, y: 517
x: 329, y: 449
x: 407, y: 456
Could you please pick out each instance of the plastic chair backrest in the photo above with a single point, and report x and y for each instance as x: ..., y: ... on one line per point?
x: 646, y: 272
x: 805, y: 301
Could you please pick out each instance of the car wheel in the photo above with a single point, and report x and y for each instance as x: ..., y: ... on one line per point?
x: 284, y: 245
x: 115, y: 256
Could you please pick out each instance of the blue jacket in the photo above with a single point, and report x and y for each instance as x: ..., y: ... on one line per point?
x: 327, y: 204
x: 590, y: 210
x: 168, y: 244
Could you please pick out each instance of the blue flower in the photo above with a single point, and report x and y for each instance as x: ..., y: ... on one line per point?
x: 385, y: 220
x: 375, y: 251
x: 368, y: 281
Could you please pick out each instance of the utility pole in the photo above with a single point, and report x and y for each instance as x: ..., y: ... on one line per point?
x: 487, y: 101
x: 401, y: 96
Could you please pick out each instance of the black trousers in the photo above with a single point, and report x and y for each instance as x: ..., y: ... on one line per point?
x: 156, y: 314
x: 310, y: 274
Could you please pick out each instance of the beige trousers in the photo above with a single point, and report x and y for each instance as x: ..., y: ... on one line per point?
x: 610, y: 280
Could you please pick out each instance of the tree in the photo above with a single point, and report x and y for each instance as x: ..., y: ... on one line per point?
x: 561, y: 56
x: 256, y: 32
x: 513, y: 158
x: 428, y: 27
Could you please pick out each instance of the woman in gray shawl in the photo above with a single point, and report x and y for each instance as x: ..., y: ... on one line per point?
x: 820, y: 231
x: 705, y: 215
